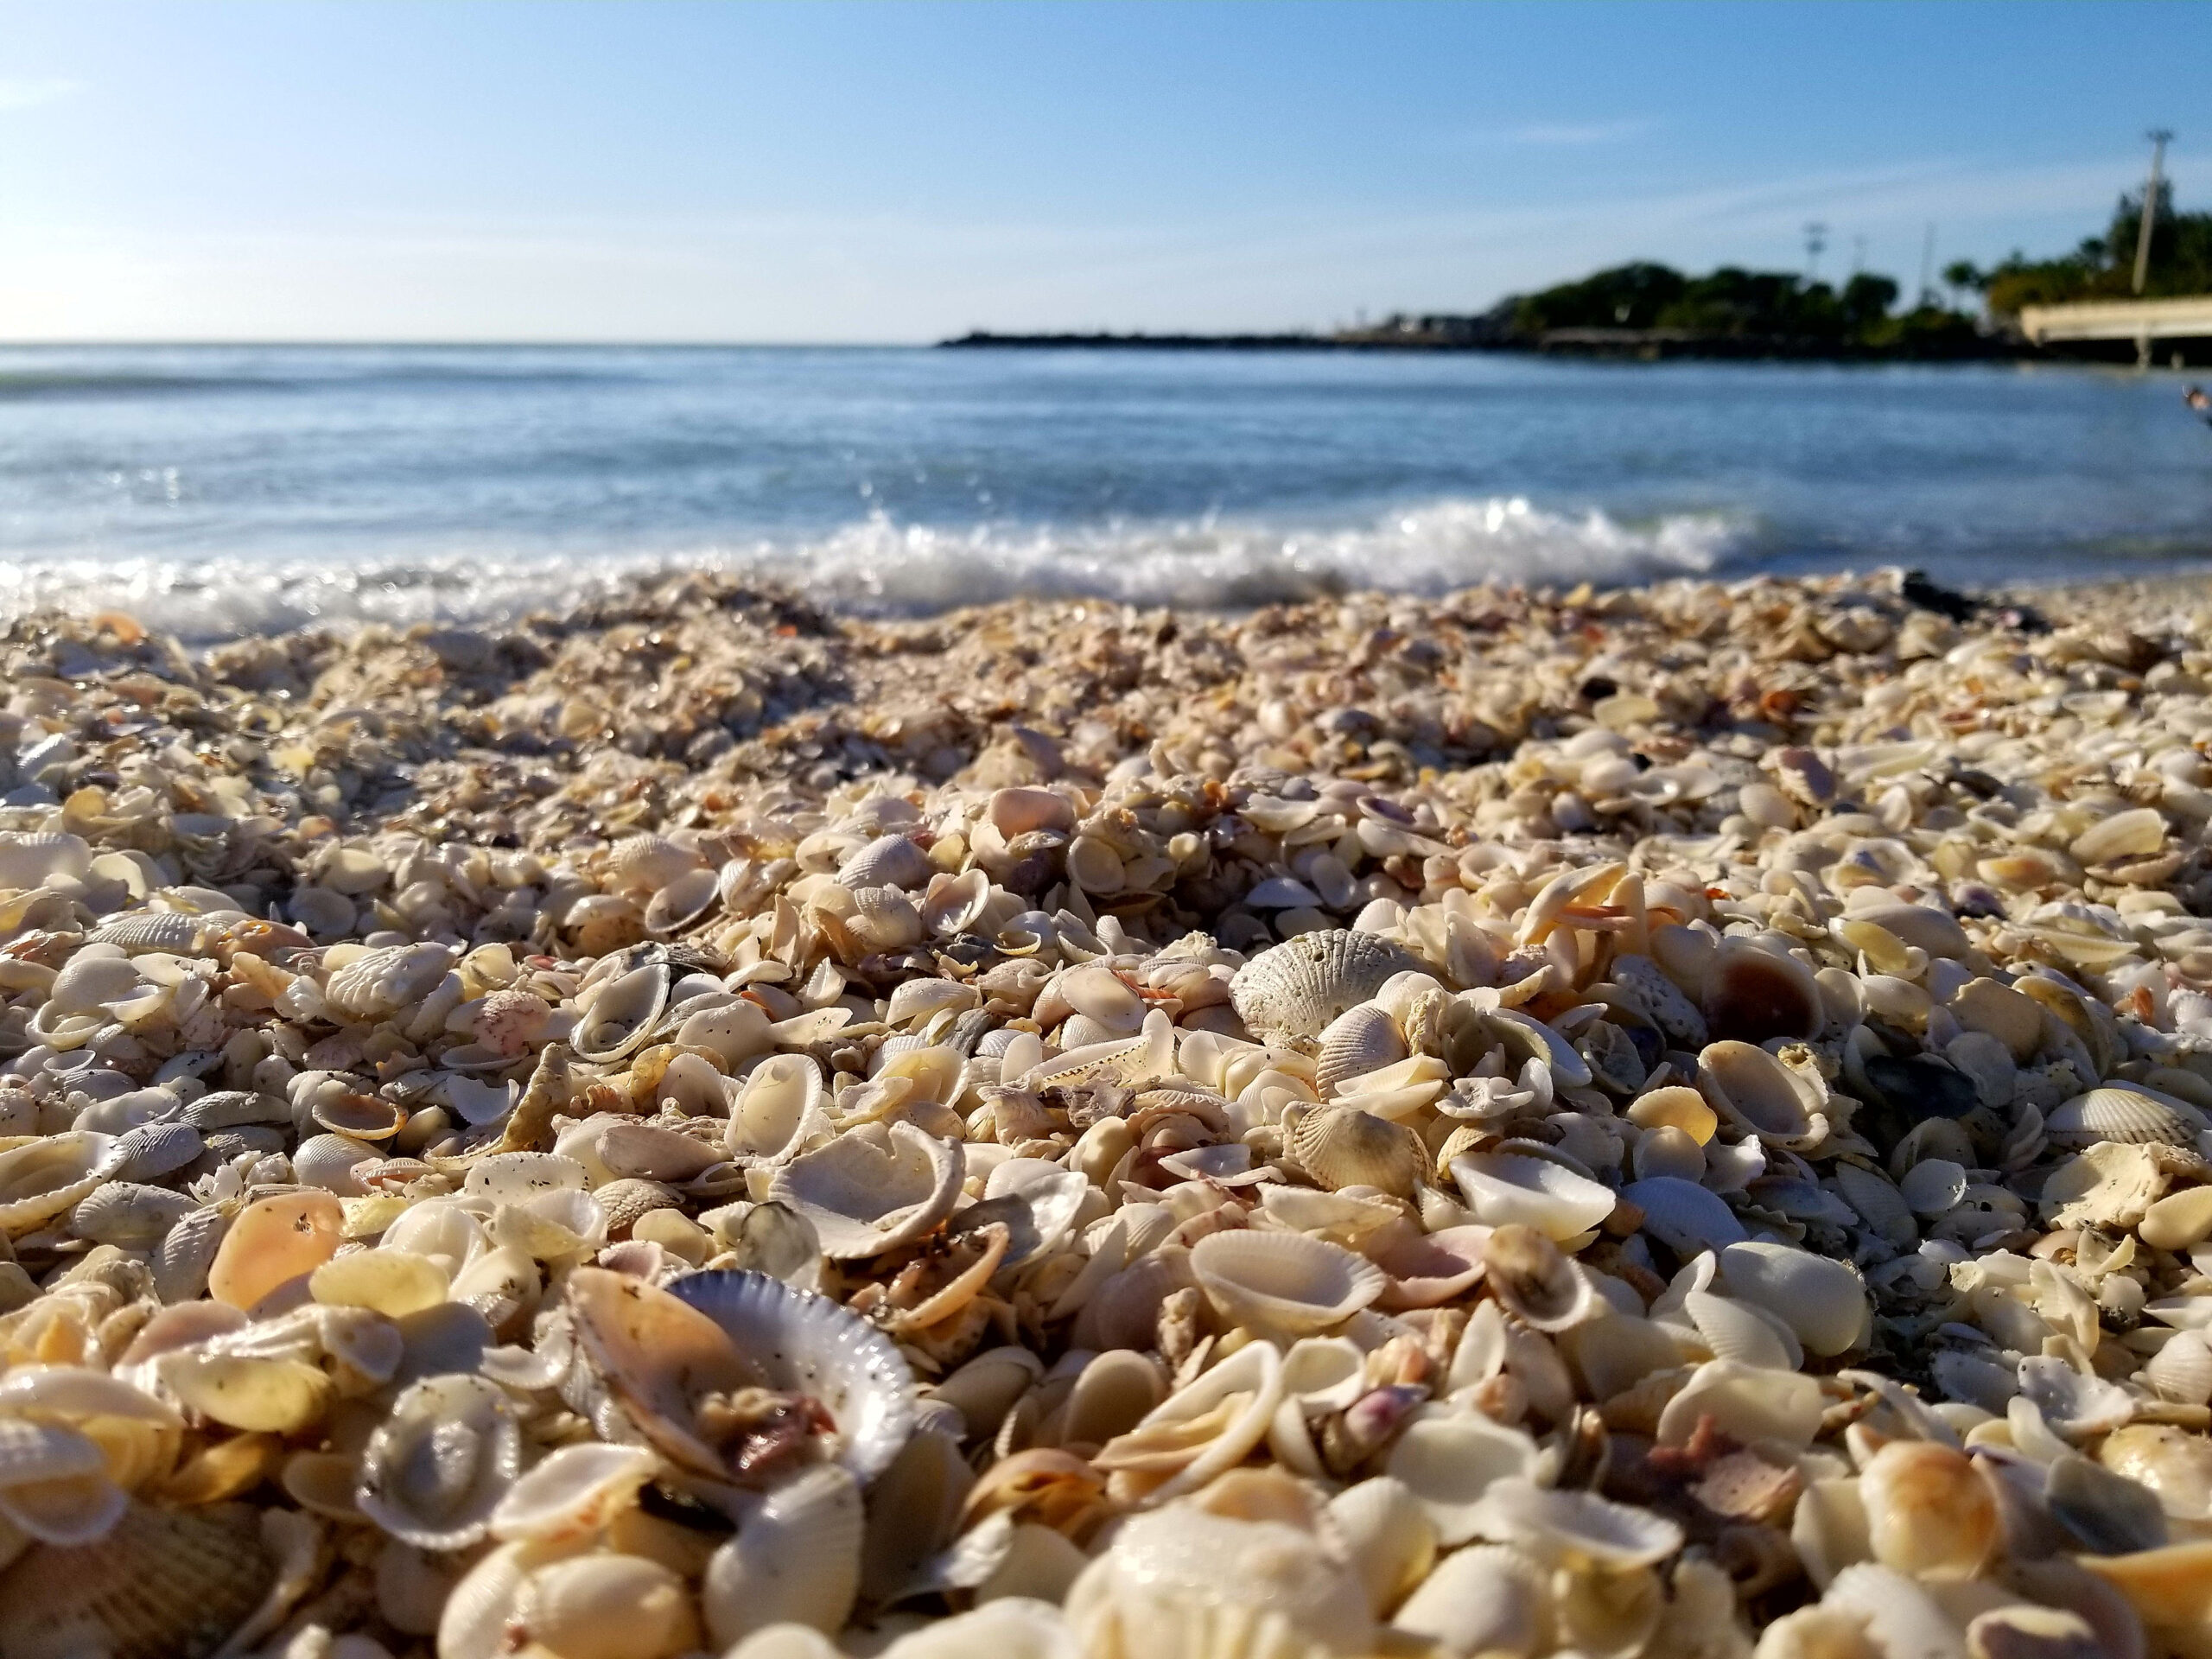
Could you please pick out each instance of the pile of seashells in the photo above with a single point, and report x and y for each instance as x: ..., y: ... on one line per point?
x: 1670, y: 1124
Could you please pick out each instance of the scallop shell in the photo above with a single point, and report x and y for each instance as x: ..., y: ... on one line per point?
x: 1929, y: 1511
x: 795, y: 1559
x: 438, y: 1466
x: 1504, y: 1187
x: 621, y: 1013
x: 1343, y: 1146
x: 1290, y: 993
x: 2130, y: 1116
x: 170, y: 932
x: 188, y: 1250
x: 1387, y: 1539
x: 28, y: 858
x: 887, y: 861
x: 1743, y: 1332
x: 684, y: 901
x: 129, y: 1216
x: 385, y: 980
x: 1526, y: 1271
x: 1360, y: 1039
x: 1757, y: 1092
x: 154, y: 1150
x: 164, y: 1583
x: 1283, y: 1283
x: 1483, y: 1599
x: 873, y: 1188
x: 644, y: 863
x: 574, y: 1492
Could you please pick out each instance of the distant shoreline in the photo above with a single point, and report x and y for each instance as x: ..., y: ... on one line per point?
x: 1643, y: 344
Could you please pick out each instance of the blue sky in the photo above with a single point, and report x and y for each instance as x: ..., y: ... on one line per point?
x: 829, y: 172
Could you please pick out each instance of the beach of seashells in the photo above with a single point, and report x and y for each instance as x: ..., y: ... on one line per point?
x: 1667, y: 1123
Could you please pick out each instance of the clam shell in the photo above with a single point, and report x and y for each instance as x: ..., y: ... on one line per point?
x: 887, y: 861
x: 1823, y: 1300
x: 1290, y: 993
x: 439, y: 1464
x: 274, y: 1242
x: 46, y: 1177
x: 1447, y: 1460
x: 1555, y: 1526
x: 1158, y: 1451
x: 684, y: 901
x: 781, y: 1108
x: 1753, y: 995
x: 795, y: 1559
x: 1684, y: 1216
x: 1283, y: 1282
x: 1488, y: 1599
x: 164, y: 1583
x: 1757, y: 1093
x: 1388, y: 1537
x: 127, y: 1215
x: 1747, y: 1403
x: 1503, y: 1188
x: 1343, y: 1146
x: 603, y: 1607
x: 573, y: 1492
x: 873, y: 1188
x: 621, y: 1013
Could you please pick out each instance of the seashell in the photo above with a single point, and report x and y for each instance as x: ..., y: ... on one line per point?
x: 1928, y: 1511
x: 519, y: 1177
x: 224, y: 1109
x: 779, y: 1109
x: 392, y: 1282
x: 1879, y: 1203
x: 1753, y: 995
x: 1683, y: 1215
x: 686, y: 900
x: 795, y: 1559
x: 2032, y: 1632
x: 1920, y: 927
x: 1743, y: 1332
x: 2107, y: 1512
x: 1448, y: 1461
x: 154, y: 1150
x: 1675, y: 1107
x: 1747, y: 1403
x: 887, y: 861
x: 644, y: 862
x: 1342, y: 1146
x: 1361, y: 1039
x: 574, y: 1492
x: 383, y: 982
x: 1427, y: 1270
x: 1387, y: 1539
x: 30, y: 858
x: 2135, y: 833
x: 438, y: 1466
x: 257, y: 1393
x: 602, y: 1607
x: 1017, y: 1627
x: 1933, y: 1186
x: 186, y: 1253
x: 47, y: 1176
x: 626, y: 1200
x: 329, y: 1162
x: 1283, y: 1282
x: 2129, y: 1117
x: 1160, y: 1459
x: 1489, y: 1599
x: 1998, y: 1011
x: 1505, y: 1188
x: 127, y: 1215
x: 161, y: 1583
x: 1556, y: 1526
x: 1661, y: 1000
x: 630, y: 1150
x: 2178, y: 1220
x: 1178, y: 1571
x: 1536, y: 1283
x: 1112, y: 1395
x: 274, y: 1242
x: 2075, y: 1406
x: 1015, y: 812
x: 873, y: 1188
x: 663, y: 1353
x: 1288, y: 994
x: 1757, y: 1093
x: 1822, y: 1301
x: 1095, y: 866
x: 621, y: 1013
x: 1667, y: 1151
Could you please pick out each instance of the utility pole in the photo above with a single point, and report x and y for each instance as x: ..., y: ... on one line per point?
x: 2158, y: 136
x: 1858, y: 254
x: 1927, y: 266
x: 1816, y: 238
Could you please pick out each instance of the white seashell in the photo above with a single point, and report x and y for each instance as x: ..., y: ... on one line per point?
x: 1449, y: 1459
x: 572, y: 1493
x: 1344, y: 1145
x: 383, y: 982
x: 1878, y: 1202
x: 621, y: 1013
x: 873, y: 1188
x: 163, y: 1581
x: 2182, y: 1369
x: 1541, y: 1286
x: 2132, y: 1117
x: 1503, y: 1188
x: 1933, y: 1186
x: 781, y: 1108
x: 795, y: 1559
x: 1757, y: 1093
x: 2135, y: 833
x: 686, y: 900
x: 434, y: 1471
x: 1388, y: 1538
x: 328, y: 1161
x: 642, y: 862
x: 1747, y: 1403
x: 1683, y: 1215
x: 519, y: 1177
x: 28, y: 858
x: 2074, y: 1405
x: 1487, y: 1600
x: 127, y: 1215
x: 1283, y: 1282
x: 1743, y: 1332
x: 887, y: 861
x: 1569, y: 1526
x: 47, y: 1176
x: 1361, y: 1039
x: 1290, y: 993
x: 1116, y: 1390
x: 1824, y: 1301
x: 603, y: 1607
x: 1158, y: 1451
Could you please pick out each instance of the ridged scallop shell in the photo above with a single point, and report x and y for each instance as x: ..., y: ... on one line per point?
x: 1526, y: 1272
x: 1291, y: 992
x: 224, y: 1109
x: 2130, y: 1116
x: 796, y: 1559
x: 658, y: 1351
x: 171, y: 931
x: 1743, y: 1332
x: 602, y: 1607
x: 648, y: 862
x: 130, y: 1215
x: 621, y: 1013
x: 438, y: 1466
x: 385, y: 980
x: 187, y: 1252
x: 155, y: 1150
x: 1343, y: 1146
x: 873, y: 1188
x: 1557, y: 1525
x: 1878, y: 1201
x: 1757, y: 1092
x: 887, y: 861
x: 29, y: 857
x: 1388, y: 1538
x: 1360, y: 1039
x: 1682, y: 1215
x: 164, y: 1583
x: 1283, y: 1282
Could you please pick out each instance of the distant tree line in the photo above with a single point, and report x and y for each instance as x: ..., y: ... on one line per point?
x: 2103, y: 267
x: 1734, y: 304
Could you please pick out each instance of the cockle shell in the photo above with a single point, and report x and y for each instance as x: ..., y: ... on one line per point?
x: 1754, y: 994
x: 1361, y: 1039
x: 1448, y: 1460
x: 573, y: 1492
x: 274, y: 1242
x: 1569, y: 1527
x: 28, y: 858
x: 1483, y: 1599
x: 1756, y: 1091
x: 1201, y: 1430
x: 164, y: 1583
x: 383, y: 982
x: 887, y: 861
x: 644, y: 862
x: 796, y: 1559
x: 780, y: 1108
x: 2130, y: 1116
x: 621, y: 1013
x: 603, y: 1607
x: 1343, y: 1146
x: 440, y: 1463
x: 127, y: 1215
x: 1283, y: 1282
x: 1682, y: 1215
x: 1290, y: 993
x: 873, y: 1188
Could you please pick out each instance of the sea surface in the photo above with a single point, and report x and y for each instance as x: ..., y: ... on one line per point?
x: 218, y: 490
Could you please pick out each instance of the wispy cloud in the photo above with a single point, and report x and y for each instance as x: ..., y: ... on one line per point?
x: 17, y: 93
x: 1568, y: 134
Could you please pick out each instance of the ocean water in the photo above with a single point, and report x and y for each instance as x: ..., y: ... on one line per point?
x: 220, y: 490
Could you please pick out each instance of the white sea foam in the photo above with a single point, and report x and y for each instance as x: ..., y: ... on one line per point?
x: 878, y: 567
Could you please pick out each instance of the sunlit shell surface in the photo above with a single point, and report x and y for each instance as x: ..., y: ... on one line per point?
x: 1673, y: 1123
